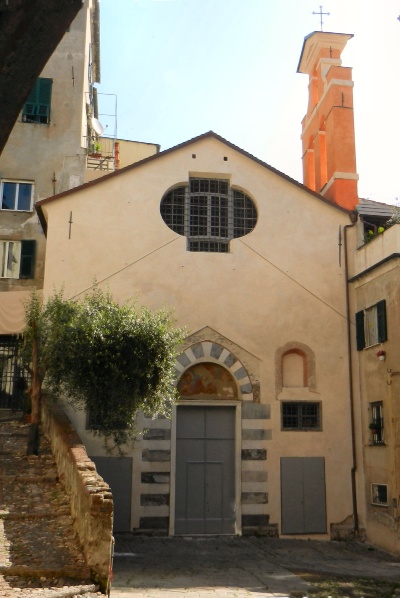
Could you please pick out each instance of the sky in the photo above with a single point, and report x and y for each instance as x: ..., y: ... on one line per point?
x: 175, y: 69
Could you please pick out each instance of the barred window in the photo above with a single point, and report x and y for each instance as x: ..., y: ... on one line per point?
x: 376, y: 423
x: 301, y: 416
x: 209, y: 213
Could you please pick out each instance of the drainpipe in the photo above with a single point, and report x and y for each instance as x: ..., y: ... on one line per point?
x: 353, y: 217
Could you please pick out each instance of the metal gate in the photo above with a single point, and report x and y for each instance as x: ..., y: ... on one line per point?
x: 205, y: 470
x: 303, y: 495
x: 14, y: 378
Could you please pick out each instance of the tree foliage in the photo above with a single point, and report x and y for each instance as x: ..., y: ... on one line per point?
x: 111, y: 359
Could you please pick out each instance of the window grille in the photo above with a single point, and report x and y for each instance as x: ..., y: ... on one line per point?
x: 301, y: 416
x: 376, y: 425
x: 209, y: 213
x: 15, y: 379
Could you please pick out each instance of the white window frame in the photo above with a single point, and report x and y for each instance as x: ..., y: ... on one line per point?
x: 10, y: 259
x: 17, y: 183
x: 371, y: 326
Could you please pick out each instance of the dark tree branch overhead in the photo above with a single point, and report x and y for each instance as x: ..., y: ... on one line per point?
x: 30, y: 31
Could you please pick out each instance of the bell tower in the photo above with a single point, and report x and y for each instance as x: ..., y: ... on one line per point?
x: 328, y: 140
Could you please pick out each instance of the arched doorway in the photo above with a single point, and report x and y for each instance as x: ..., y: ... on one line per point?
x: 205, y: 475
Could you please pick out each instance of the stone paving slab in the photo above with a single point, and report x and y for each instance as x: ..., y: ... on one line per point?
x: 206, y: 568
x: 237, y: 567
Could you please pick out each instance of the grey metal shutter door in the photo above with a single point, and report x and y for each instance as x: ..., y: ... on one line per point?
x: 117, y: 472
x: 303, y: 495
x: 205, y: 470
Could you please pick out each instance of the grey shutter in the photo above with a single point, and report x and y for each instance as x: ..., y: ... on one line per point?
x: 360, y: 332
x: 27, y: 264
x: 381, y: 317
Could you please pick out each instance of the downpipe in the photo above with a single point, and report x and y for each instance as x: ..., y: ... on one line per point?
x: 353, y: 217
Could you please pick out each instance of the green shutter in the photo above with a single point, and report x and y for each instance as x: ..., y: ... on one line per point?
x: 360, y: 332
x: 381, y: 317
x: 27, y: 264
x: 37, y: 107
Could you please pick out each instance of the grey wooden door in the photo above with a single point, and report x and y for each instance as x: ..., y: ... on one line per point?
x: 303, y: 495
x: 205, y: 470
x: 117, y: 472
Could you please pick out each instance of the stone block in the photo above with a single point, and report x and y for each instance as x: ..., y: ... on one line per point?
x: 254, y: 455
x: 149, y: 455
x: 254, y: 498
x: 255, y: 434
x: 255, y: 411
x: 255, y: 476
x: 154, y: 477
x: 154, y: 523
x: 157, y: 434
x: 154, y: 500
x: 197, y: 350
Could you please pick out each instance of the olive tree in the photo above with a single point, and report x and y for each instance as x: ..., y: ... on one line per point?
x: 110, y: 359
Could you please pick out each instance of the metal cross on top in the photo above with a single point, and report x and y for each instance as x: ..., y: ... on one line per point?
x: 320, y: 13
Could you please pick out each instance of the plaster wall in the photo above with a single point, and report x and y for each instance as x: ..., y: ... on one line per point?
x: 379, y: 381
x: 37, y: 152
x: 133, y: 151
x: 280, y: 284
x: 50, y: 156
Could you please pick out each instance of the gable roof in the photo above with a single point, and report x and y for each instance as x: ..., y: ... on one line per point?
x: 160, y: 155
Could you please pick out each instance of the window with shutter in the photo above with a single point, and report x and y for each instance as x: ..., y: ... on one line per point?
x: 371, y: 325
x: 27, y: 265
x: 17, y: 259
x: 37, y: 107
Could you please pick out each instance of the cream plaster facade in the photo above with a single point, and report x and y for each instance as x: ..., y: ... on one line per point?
x: 279, y: 289
x: 374, y: 277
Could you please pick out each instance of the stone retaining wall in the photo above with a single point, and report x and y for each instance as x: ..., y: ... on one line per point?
x: 90, y: 497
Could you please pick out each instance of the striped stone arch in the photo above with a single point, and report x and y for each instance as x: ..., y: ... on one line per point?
x: 209, y: 351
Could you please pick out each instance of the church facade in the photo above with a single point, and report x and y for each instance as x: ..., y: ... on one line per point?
x: 279, y: 378
x: 250, y: 262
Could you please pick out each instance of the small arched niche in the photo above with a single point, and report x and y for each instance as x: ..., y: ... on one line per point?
x: 204, y: 381
x: 294, y: 369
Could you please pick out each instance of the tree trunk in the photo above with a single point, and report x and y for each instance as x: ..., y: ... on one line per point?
x: 33, y: 440
x: 35, y: 393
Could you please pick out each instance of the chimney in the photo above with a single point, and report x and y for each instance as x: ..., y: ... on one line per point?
x: 329, y: 154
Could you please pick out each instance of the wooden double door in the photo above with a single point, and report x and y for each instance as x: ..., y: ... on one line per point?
x: 205, y: 470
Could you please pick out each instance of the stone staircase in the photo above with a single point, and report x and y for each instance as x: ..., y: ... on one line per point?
x: 38, y: 545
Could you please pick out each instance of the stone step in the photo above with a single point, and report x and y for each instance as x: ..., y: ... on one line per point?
x: 37, y: 536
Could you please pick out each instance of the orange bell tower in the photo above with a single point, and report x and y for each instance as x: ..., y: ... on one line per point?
x: 329, y: 153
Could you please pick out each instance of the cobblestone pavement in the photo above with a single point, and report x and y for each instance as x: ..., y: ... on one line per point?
x: 237, y: 567
x: 39, y: 552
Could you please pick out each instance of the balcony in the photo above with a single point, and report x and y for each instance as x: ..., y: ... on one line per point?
x: 377, y: 251
x: 100, y: 160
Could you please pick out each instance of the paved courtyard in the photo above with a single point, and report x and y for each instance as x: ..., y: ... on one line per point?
x: 236, y: 567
